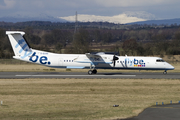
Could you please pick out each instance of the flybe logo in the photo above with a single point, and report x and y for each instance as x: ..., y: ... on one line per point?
x: 135, y: 62
x: 139, y: 63
x: 43, y: 59
x: 24, y: 47
x: 27, y: 52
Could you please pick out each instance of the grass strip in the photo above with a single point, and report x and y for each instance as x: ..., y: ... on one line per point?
x: 82, y: 99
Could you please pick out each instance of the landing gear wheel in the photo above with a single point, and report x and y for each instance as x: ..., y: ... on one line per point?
x: 90, y: 72
x: 94, y: 71
x: 165, y: 72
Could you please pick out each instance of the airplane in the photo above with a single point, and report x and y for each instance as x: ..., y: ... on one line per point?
x: 91, y: 61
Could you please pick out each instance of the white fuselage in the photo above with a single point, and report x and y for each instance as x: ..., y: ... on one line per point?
x: 81, y: 61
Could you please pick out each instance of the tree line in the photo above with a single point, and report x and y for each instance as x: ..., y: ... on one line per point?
x: 143, y: 41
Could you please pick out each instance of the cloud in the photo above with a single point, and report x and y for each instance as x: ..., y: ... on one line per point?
x: 38, y: 3
x: 6, y: 4
x: 92, y: 7
x: 130, y: 3
x: 2, y: 3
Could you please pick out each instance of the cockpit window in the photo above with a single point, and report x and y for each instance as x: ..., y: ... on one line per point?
x: 160, y: 60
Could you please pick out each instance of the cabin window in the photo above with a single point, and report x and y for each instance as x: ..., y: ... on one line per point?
x: 160, y: 60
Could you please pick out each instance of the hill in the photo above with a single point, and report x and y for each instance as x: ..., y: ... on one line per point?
x: 159, y: 22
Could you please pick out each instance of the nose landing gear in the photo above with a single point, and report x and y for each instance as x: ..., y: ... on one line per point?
x: 165, y: 72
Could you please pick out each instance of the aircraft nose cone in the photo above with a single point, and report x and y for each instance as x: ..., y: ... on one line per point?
x: 171, y: 67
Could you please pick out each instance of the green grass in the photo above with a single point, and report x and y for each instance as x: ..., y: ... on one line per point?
x: 82, y: 99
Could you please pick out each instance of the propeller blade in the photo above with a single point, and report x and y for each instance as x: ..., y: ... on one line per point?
x: 114, y: 63
x: 114, y: 60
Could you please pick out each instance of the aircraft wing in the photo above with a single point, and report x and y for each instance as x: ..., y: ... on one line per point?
x: 94, y: 59
x: 89, y: 55
x: 99, y: 58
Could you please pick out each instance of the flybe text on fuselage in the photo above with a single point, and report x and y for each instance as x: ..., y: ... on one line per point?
x: 135, y: 62
x: 43, y: 59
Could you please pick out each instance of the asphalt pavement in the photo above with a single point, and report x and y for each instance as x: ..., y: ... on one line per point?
x: 84, y: 75
x: 159, y: 112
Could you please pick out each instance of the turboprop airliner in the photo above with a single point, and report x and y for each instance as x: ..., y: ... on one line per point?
x: 91, y: 61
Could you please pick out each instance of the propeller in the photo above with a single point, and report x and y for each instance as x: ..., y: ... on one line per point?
x: 114, y: 60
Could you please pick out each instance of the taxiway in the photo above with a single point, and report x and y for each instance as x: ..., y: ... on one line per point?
x: 160, y: 112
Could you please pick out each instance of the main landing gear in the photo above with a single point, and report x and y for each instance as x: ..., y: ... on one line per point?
x: 94, y: 71
x: 90, y: 72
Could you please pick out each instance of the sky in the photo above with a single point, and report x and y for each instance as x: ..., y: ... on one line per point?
x: 161, y: 9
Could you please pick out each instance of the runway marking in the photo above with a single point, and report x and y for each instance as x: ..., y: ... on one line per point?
x: 74, y: 75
